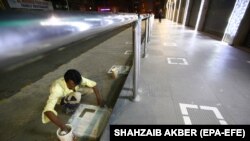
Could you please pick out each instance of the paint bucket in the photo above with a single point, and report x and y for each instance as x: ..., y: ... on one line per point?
x: 67, y: 137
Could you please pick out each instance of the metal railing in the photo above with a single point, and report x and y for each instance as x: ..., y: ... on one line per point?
x: 25, y: 35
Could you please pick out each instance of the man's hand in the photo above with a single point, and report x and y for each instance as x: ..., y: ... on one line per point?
x: 56, y: 121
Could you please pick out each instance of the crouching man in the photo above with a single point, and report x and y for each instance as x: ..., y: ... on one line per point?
x: 65, y: 91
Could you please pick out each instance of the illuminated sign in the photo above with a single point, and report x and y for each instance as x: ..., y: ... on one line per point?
x: 30, y: 4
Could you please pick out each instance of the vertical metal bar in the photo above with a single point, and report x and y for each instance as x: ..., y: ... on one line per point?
x: 174, y: 3
x: 146, y: 38
x: 137, y: 55
x: 139, y: 47
x: 178, y: 14
x: 135, y: 76
x: 149, y: 26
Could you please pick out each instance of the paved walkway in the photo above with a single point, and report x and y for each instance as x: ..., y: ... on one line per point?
x: 187, y: 78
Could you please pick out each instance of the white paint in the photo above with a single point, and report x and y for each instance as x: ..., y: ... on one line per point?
x: 214, y: 109
x: 137, y: 98
x: 185, y: 106
x: 88, y: 120
x: 128, y: 52
x: 61, y: 49
x: 170, y: 61
x: 121, y: 69
x: 184, y: 61
x: 223, y: 122
x: 187, y: 120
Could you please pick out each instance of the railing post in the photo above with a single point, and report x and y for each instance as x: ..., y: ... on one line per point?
x: 150, y: 24
x: 137, y: 53
x: 146, y: 38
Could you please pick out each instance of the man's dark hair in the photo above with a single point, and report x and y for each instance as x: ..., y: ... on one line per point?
x: 73, y: 75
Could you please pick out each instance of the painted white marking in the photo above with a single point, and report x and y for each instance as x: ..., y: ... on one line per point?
x: 223, y: 122
x: 183, y: 60
x: 61, y: 49
x: 185, y: 106
x: 187, y: 120
x: 128, y: 52
x: 121, y: 69
x: 171, y: 61
x: 137, y: 98
x: 214, y: 109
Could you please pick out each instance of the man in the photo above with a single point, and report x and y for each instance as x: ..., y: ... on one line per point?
x: 65, y: 91
x: 160, y: 15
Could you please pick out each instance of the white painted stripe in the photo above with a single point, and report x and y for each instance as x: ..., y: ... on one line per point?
x: 214, y: 109
x: 187, y: 120
x: 223, y: 122
x: 128, y: 52
x: 61, y: 49
x: 185, y: 106
x: 169, y: 61
x: 184, y: 61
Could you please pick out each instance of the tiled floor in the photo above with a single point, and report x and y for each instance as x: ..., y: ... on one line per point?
x: 187, y: 78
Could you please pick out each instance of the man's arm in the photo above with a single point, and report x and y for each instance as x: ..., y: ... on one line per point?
x: 56, y: 120
x: 98, y: 96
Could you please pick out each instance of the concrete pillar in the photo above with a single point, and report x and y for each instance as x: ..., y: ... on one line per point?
x: 167, y: 10
x: 178, y: 11
x: 171, y: 10
x: 188, y: 7
x: 174, y: 10
x: 202, y: 15
x: 243, y: 29
x: 234, y: 23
